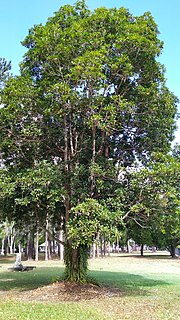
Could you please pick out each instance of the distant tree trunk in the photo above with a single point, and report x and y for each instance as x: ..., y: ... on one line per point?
x: 94, y: 250
x: 10, y: 239
x: 5, y: 245
x: 101, y: 246
x: 49, y: 249
x: 104, y: 245
x: 172, y: 249
x: 61, y: 246
x: 11, y: 242
x: 20, y: 248
x: 37, y: 243
x: 117, y: 245
x: 46, y: 240
x: 142, y: 250
x: 129, y: 248
x: 54, y: 247
x: 30, y: 245
x: 97, y: 246
x: 2, y: 247
x: 109, y: 248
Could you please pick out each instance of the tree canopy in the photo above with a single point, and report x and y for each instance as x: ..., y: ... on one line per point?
x: 91, y: 100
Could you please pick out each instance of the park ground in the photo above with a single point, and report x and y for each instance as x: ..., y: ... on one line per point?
x: 122, y: 287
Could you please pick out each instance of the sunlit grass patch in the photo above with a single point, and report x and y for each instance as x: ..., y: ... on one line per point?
x: 33, y: 311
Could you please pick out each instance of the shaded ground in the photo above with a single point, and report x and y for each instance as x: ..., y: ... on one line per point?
x: 63, y: 291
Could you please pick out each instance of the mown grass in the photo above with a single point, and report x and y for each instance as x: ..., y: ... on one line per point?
x: 29, y: 280
x: 150, y: 289
x: 39, y: 311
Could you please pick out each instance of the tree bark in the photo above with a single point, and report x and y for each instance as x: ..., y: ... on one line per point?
x: 37, y: 243
x: 109, y: 248
x: 94, y: 250
x: 75, y: 262
x: 46, y: 240
x: 97, y: 245
x: 30, y: 245
x: 61, y: 249
x: 2, y: 247
x: 172, y: 249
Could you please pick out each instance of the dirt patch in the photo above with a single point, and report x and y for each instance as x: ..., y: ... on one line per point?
x: 66, y: 291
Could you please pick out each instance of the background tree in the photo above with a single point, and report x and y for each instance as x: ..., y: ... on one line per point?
x: 157, y: 211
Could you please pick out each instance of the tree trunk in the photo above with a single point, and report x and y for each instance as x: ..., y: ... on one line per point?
x: 172, y: 249
x: 2, y: 247
x: 19, y: 248
x: 104, y: 246
x: 142, y: 250
x: 30, y: 245
x: 5, y: 245
x: 97, y: 245
x: 37, y: 243
x: 49, y: 249
x: 46, y: 240
x: 11, y: 243
x: 94, y: 250
x: 75, y: 260
x: 61, y: 249
x: 109, y: 249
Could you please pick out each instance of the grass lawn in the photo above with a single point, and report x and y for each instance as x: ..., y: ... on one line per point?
x: 149, y: 289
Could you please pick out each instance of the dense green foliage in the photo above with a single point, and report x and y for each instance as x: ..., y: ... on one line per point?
x: 91, y: 102
x: 157, y: 188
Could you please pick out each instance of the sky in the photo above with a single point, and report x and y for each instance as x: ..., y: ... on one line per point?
x: 18, y: 16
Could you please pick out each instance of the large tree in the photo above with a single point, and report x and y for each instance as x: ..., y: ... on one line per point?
x: 91, y: 99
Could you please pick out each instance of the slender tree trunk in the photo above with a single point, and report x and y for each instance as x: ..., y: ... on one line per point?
x: 109, y: 248
x: 94, y: 250
x: 128, y: 247
x: 61, y: 249
x: 97, y: 246
x: 5, y: 245
x: 20, y: 248
x: 30, y: 245
x: 172, y: 249
x: 46, y: 240
x: 54, y: 246
x: 117, y: 245
x: 49, y: 249
x: 11, y: 244
x: 93, y: 158
x: 104, y: 245
x: 2, y: 247
x: 37, y: 243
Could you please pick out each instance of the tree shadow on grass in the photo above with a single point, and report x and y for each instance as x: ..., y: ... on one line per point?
x: 29, y: 280
x: 127, y: 283
x: 146, y: 256
x: 153, y: 257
